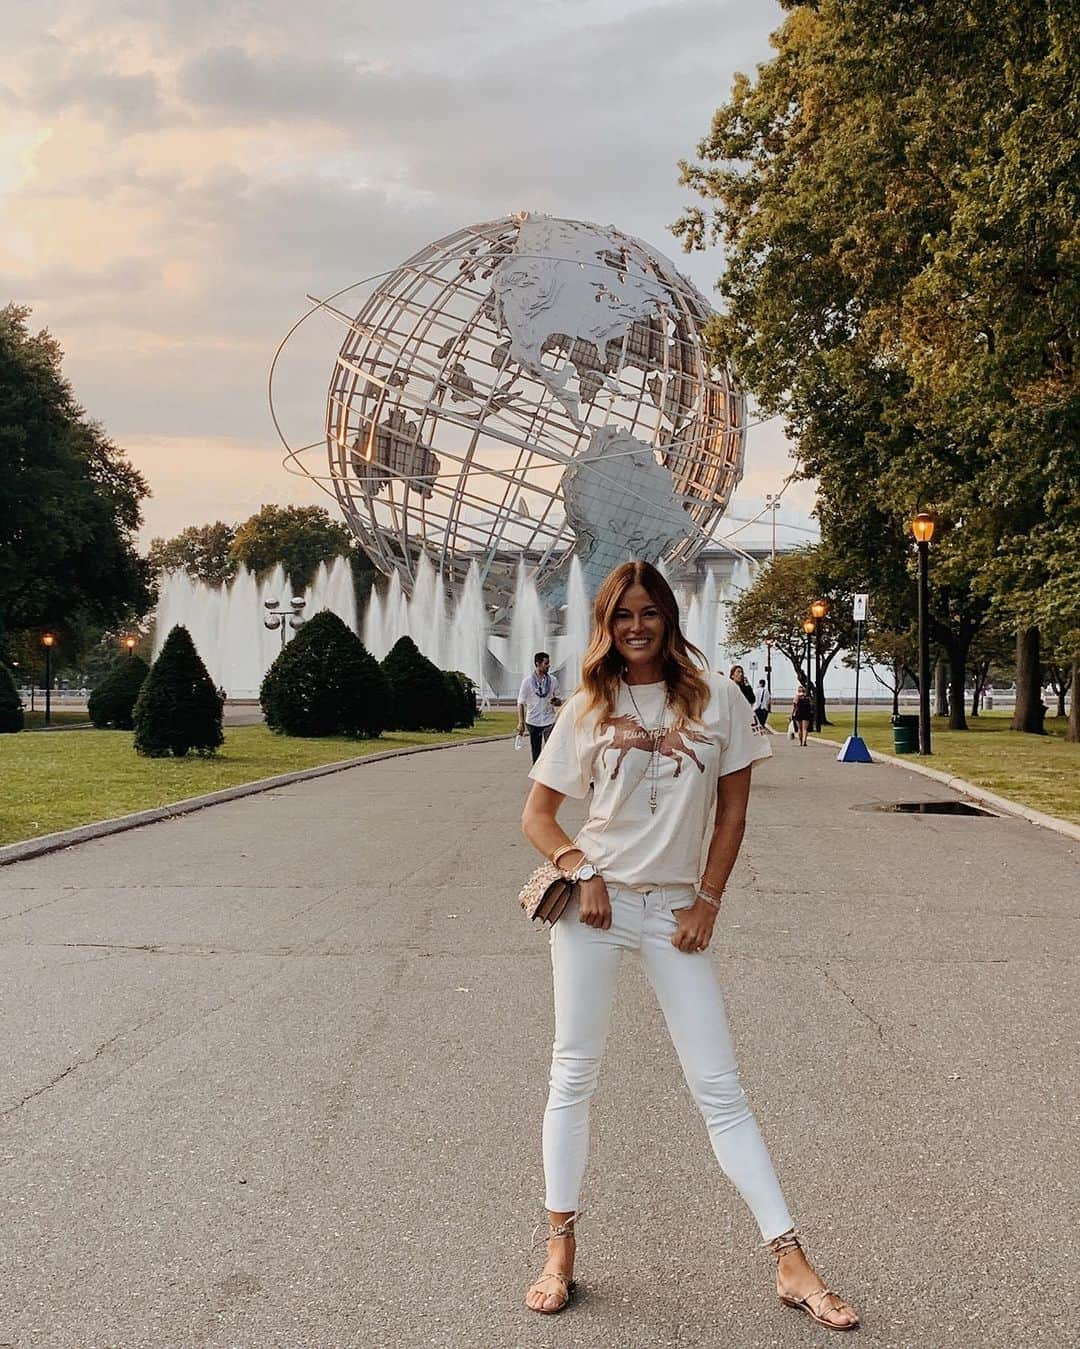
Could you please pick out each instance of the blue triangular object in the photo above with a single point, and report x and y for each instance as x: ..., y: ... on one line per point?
x: 854, y: 751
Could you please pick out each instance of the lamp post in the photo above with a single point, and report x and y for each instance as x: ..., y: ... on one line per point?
x: 819, y: 609
x: 768, y: 665
x: 772, y: 505
x: 129, y: 642
x: 923, y: 529
x: 47, y: 642
x: 808, y: 627
x: 278, y: 619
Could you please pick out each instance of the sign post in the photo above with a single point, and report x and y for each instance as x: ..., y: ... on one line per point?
x: 854, y: 749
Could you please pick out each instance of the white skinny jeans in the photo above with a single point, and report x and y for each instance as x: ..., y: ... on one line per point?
x: 584, y: 964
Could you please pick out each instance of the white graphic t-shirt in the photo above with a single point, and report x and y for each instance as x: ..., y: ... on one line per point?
x: 628, y: 843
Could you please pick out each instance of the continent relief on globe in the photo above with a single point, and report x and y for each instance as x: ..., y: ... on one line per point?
x: 621, y: 504
x: 570, y: 283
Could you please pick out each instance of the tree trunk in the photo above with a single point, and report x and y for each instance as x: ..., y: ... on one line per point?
x: 1028, y: 713
x: 957, y: 675
x: 1072, y: 728
x: 941, y: 700
x: 825, y: 663
x: 982, y: 671
x: 898, y: 679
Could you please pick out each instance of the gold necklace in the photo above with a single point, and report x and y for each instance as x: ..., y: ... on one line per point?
x: 657, y: 735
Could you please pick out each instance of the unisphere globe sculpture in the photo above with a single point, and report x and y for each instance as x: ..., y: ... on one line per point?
x: 531, y: 389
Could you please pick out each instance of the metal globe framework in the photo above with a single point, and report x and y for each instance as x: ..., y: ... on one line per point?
x: 482, y: 374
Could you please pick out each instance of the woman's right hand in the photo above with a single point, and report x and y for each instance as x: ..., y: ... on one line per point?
x: 594, y: 903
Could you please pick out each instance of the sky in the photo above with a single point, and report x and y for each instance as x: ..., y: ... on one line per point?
x: 176, y: 176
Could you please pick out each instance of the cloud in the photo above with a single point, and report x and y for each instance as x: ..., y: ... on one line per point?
x: 196, y: 481
x: 183, y: 172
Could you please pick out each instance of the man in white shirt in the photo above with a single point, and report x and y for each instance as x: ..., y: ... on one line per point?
x: 762, y: 704
x: 537, y: 700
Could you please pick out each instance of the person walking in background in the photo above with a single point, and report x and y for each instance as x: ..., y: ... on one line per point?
x: 762, y: 703
x: 739, y: 678
x: 662, y: 751
x: 538, y: 699
x: 802, y: 713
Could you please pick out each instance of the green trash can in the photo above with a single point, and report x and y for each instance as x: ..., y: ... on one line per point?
x: 905, y: 734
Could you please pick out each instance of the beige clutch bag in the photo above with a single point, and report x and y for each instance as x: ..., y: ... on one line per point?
x: 546, y: 893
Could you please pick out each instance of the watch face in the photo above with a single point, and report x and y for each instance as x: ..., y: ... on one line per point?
x: 586, y: 872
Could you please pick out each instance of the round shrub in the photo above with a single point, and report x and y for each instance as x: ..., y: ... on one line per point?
x: 11, y: 713
x: 464, y: 691
x: 326, y: 682
x: 178, y: 708
x: 112, y: 702
x: 422, y: 698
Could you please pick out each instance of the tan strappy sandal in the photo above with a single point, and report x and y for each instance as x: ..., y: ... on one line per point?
x: 822, y: 1301
x: 566, y: 1285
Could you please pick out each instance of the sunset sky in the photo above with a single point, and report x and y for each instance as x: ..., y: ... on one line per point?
x: 175, y: 175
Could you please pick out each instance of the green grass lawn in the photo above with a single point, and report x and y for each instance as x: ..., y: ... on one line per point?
x: 58, y: 781
x: 1042, y: 772
x: 34, y: 721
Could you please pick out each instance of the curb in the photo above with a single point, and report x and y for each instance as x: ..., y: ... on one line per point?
x: 980, y: 794
x: 86, y: 833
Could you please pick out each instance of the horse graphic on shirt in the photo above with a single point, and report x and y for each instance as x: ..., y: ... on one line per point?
x: 630, y: 734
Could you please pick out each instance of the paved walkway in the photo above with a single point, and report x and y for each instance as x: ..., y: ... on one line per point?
x: 273, y: 1076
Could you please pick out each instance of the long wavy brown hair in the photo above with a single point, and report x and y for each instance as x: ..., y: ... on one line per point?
x: 602, y: 667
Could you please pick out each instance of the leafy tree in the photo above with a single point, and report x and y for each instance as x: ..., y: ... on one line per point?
x: 422, y: 700
x: 896, y: 194
x: 84, y: 653
x: 891, y: 658
x: 325, y: 682
x: 178, y: 707
x: 299, y: 537
x: 11, y: 712
x: 203, y: 551
x: 778, y: 603
x: 112, y: 703
x: 69, y: 499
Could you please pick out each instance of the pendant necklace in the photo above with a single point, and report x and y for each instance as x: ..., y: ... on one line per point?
x: 657, y: 735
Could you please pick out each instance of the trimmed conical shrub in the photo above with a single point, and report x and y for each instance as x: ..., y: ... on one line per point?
x: 422, y: 698
x: 464, y: 691
x: 11, y: 713
x: 178, y: 708
x: 112, y: 702
x: 326, y: 682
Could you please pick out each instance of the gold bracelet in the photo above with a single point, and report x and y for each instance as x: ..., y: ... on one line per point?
x: 561, y: 852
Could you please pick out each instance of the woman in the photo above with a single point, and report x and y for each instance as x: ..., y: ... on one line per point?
x: 737, y: 677
x: 668, y: 753
x: 802, y: 713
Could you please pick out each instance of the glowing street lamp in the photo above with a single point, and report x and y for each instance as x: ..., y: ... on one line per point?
x: 47, y: 642
x: 923, y: 529
x: 130, y: 642
x: 819, y: 609
x: 808, y: 627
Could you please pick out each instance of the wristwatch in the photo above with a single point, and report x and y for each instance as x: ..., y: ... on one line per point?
x: 585, y: 872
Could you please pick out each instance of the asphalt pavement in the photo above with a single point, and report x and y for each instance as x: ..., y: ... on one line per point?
x: 273, y: 1075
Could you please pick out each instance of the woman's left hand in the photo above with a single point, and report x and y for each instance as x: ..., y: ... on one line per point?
x: 694, y: 927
